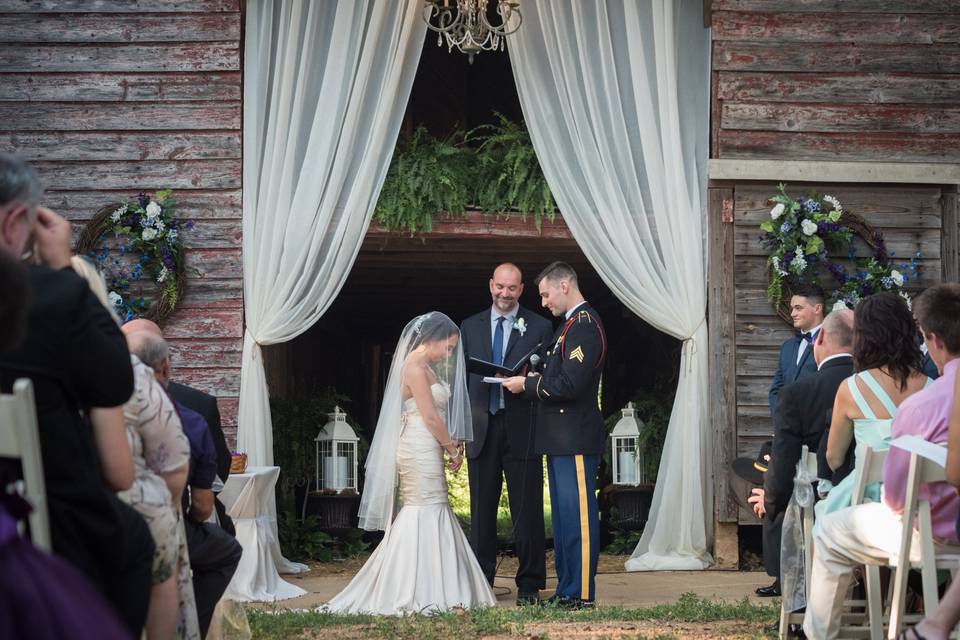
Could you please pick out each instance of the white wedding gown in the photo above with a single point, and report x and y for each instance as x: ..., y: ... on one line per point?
x: 424, y: 563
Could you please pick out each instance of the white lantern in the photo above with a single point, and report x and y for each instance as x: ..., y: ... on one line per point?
x: 336, y: 446
x: 626, y: 458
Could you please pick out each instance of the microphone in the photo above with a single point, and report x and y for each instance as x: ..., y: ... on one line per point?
x: 534, y: 362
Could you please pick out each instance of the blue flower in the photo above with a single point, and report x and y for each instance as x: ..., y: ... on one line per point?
x: 811, y: 205
x: 887, y: 282
x: 785, y: 227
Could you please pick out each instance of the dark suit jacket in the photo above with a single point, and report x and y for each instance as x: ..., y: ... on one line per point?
x: 77, y: 358
x: 789, y: 370
x: 206, y: 405
x: 475, y: 334
x: 803, y: 415
x: 568, y: 414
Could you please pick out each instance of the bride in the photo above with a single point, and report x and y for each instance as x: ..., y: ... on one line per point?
x: 424, y: 563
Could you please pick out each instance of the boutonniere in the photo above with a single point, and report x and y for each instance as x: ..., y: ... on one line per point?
x: 520, y: 326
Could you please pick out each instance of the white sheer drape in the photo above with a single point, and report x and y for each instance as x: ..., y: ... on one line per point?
x: 325, y: 88
x: 615, y: 94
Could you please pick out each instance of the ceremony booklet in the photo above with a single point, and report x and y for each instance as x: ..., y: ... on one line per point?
x: 490, y: 370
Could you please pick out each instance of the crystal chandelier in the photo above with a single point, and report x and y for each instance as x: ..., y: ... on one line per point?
x: 464, y: 24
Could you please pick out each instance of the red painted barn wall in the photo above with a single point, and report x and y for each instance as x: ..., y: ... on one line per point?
x: 111, y: 97
x: 861, y: 80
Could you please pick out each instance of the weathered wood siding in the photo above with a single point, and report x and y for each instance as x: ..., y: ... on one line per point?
x: 821, y: 79
x: 108, y: 98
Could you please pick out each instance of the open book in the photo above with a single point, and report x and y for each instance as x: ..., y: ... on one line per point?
x: 484, y: 368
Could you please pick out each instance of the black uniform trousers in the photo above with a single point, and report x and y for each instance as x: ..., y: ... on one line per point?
x: 524, y: 476
x: 214, y: 556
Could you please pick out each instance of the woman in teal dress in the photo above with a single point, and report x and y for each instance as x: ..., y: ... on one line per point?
x: 889, y: 366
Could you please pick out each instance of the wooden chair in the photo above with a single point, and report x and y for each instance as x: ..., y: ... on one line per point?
x: 809, y: 461
x: 870, y: 471
x: 19, y: 439
x: 921, y: 471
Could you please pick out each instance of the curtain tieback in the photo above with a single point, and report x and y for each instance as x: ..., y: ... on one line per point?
x: 690, y: 345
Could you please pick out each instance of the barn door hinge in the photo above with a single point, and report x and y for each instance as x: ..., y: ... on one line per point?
x: 726, y: 214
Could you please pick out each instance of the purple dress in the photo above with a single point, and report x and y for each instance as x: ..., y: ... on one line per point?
x: 42, y: 596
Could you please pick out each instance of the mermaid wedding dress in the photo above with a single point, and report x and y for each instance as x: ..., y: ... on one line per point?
x: 424, y: 563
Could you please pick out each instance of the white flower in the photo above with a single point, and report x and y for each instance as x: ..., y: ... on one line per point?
x: 809, y: 227
x: 903, y: 294
x: 839, y: 305
x: 115, y: 216
x: 834, y: 202
x: 149, y: 234
x: 153, y: 210
x: 160, y: 226
x: 799, y: 263
x: 897, y: 277
x: 115, y: 299
x: 777, y: 211
x: 520, y: 325
x: 163, y: 275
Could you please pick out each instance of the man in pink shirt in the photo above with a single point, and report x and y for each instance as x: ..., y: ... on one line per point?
x: 872, y: 532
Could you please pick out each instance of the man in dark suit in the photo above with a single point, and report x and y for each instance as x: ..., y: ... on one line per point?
x: 76, y: 358
x: 570, y: 431
x: 803, y: 417
x: 796, y: 357
x: 503, y: 435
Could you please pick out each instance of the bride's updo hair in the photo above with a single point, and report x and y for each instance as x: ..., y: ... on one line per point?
x: 432, y: 327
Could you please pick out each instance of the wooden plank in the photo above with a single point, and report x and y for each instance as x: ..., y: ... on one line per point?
x: 758, y: 360
x: 837, y: 6
x: 146, y: 176
x: 189, y: 56
x: 872, y: 88
x: 473, y: 223
x: 191, y: 353
x: 752, y: 388
x: 194, y: 27
x: 105, y: 145
x: 830, y: 27
x: 116, y: 87
x: 787, y: 56
x: 754, y: 420
x: 951, y: 235
x: 752, y: 301
x: 164, y: 116
x: 720, y: 327
x: 802, y: 117
x: 761, y: 331
x: 204, y: 323
x: 117, y: 6
x: 215, y: 263
x: 861, y: 147
x: 217, y: 381
x: 911, y: 207
x: 79, y: 206
x: 902, y: 243
x: 208, y: 292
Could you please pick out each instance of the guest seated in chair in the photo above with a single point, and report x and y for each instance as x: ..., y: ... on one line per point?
x: 871, y: 532
x: 76, y: 357
x: 889, y: 369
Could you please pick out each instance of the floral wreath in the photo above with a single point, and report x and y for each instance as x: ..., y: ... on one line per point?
x: 144, y: 226
x: 806, y: 233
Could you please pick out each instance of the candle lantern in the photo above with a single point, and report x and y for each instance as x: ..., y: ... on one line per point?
x: 336, y: 448
x: 626, y: 458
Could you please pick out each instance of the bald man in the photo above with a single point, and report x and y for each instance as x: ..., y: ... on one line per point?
x: 503, y: 435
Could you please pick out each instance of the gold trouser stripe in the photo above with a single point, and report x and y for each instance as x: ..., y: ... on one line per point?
x: 584, y: 530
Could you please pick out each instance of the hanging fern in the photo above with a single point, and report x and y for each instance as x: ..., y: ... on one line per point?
x: 492, y: 168
x: 511, y: 178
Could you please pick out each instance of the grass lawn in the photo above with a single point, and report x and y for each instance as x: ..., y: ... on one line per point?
x: 690, y: 617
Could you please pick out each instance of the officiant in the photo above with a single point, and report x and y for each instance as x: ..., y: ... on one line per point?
x: 503, y: 435
x: 570, y: 430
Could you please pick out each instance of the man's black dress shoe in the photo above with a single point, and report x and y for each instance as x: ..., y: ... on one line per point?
x: 769, y: 592
x: 527, y: 598
x: 571, y: 604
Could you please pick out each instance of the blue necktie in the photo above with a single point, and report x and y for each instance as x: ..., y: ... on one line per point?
x: 495, y: 389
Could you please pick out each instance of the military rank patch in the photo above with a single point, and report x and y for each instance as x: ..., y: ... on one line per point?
x: 577, y: 354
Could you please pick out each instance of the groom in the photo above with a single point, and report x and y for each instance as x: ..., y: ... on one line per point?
x: 503, y: 435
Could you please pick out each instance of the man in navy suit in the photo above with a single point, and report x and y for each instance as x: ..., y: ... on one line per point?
x: 503, y: 435
x: 796, y: 354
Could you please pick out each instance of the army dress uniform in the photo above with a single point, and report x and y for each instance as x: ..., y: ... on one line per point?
x: 569, y: 430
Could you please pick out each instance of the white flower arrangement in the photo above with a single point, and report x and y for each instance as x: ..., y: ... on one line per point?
x: 897, y: 277
x: 808, y: 227
x: 520, y: 325
x: 153, y: 210
x: 777, y: 211
x: 148, y: 234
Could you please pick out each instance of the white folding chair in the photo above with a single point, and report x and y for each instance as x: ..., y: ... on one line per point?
x: 809, y: 460
x: 921, y: 471
x: 19, y: 438
x: 869, y: 470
